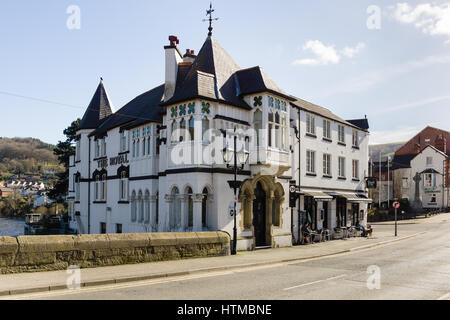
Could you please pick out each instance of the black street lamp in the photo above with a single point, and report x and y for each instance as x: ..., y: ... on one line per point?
x: 228, y: 156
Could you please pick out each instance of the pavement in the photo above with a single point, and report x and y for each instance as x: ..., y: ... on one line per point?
x: 56, y: 281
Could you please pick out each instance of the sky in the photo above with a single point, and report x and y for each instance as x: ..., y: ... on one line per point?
x: 387, y: 60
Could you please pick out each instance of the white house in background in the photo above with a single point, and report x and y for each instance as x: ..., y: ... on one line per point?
x: 147, y: 168
x: 424, y: 180
x: 41, y: 199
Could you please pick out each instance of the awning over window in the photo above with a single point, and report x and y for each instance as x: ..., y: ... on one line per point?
x: 431, y: 170
x: 355, y: 197
x: 318, y: 196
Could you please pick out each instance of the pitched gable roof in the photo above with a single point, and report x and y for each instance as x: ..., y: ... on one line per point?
x: 361, y: 123
x: 142, y: 109
x: 324, y: 112
x: 99, y: 108
x: 255, y: 80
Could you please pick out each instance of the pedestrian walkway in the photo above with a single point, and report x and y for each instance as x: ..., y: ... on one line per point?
x: 55, y: 280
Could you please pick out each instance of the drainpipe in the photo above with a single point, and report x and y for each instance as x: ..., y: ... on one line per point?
x: 299, y: 175
x: 89, y: 186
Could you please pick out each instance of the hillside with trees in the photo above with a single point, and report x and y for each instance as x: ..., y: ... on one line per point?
x: 386, y: 150
x: 27, y: 156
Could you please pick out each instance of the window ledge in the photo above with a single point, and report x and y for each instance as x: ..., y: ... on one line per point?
x: 100, y: 158
x: 311, y: 135
x: 342, y: 178
x: 123, y: 202
x: 124, y: 152
x: 355, y: 147
x: 327, y: 176
x: 77, y: 202
x: 99, y: 202
x: 327, y: 139
x: 342, y: 144
x: 356, y: 180
x: 311, y: 174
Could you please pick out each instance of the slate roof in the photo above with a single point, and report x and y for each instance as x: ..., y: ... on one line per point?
x: 99, y: 108
x: 324, y: 112
x: 142, y: 109
x: 360, y: 123
x: 210, y: 77
x: 404, y: 161
x: 255, y: 80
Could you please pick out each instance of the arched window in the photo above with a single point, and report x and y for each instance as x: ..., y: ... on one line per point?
x: 271, y: 126
x: 144, y: 144
x: 147, y: 206
x: 191, y: 129
x: 205, y: 128
x: 257, y: 124
x: 157, y: 209
x: 190, y: 208
x: 205, y: 208
x: 134, y: 149
x: 140, y: 207
x: 277, y: 130
x: 133, y: 206
x: 97, y: 187
x: 77, y: 186
x: 284, y: 132
x: 123, y: 190
x: 103, y: 189
x: 175, y: 210
x: 175, y: 132
x: 137, y: 148
x: 149, y: 150
x: 182, y: 130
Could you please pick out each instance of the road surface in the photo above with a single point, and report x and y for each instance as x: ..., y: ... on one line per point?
x: 416, y: 268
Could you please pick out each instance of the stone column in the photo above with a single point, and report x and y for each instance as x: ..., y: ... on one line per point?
x: 153, y: 224
x: 164, y: 223
x: 198, y: 212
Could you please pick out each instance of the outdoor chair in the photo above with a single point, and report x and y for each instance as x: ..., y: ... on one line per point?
x: 326, y: 235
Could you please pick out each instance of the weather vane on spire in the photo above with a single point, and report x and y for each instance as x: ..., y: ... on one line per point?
x: 211, y: 19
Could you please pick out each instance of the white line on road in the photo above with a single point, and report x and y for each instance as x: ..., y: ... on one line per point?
x: 445, y: 297
x: 314, y: 282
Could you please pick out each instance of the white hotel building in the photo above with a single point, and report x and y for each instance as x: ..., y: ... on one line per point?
x: 127, y: 175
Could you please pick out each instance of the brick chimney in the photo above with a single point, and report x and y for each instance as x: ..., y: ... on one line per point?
x: 173, y: 57
x: 189, y: 56
x: 441, y: 143
x: 417, y: 148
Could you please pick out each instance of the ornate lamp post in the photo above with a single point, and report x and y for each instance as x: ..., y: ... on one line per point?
x: 239, y: 160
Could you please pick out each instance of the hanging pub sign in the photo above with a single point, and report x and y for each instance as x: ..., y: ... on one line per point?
x: 294, y: 190
x: 371, y: 183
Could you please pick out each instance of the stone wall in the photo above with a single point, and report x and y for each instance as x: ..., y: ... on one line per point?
x: 45, y: 253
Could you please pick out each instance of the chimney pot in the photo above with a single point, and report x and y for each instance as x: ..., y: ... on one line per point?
x: 173, y: 41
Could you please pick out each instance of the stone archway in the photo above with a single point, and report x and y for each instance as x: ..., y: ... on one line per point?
x: 261, y: 201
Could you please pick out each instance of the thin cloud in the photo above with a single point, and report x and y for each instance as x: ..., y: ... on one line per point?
x: 326, y: 54
x: 413, y: 105
x: 367, y: 80
x: 431, y: 19
x: 350, y: 52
